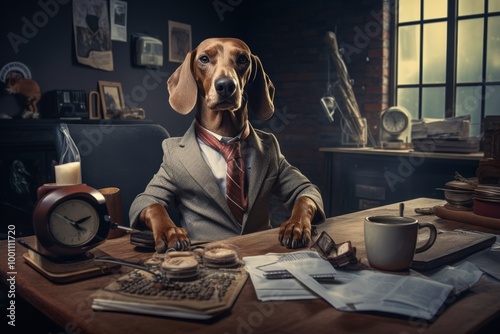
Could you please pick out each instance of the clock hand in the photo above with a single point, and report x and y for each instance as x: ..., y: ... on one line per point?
x: 79, y: 221
x: 69, y: 221
x: 393, y: 120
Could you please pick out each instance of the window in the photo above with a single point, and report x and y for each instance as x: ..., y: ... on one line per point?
x: 448, y: 59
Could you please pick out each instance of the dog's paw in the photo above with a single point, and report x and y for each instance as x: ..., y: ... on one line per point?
x: 172, y: 238
x: 295, y: 234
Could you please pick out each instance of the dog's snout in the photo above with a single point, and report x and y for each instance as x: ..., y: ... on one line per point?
x: 225, y: 87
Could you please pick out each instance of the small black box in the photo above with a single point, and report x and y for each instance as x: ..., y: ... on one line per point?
x: 65, y: 104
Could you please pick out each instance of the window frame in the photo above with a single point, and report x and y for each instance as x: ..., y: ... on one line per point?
x: 450, y: 83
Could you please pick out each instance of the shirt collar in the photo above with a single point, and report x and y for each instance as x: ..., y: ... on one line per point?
x: 227, y: 140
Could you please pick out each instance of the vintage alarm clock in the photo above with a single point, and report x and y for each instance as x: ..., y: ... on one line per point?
x: 70, y: 220
x: 395, y: 128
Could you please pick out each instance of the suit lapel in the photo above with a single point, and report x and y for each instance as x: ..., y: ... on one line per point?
x: 193, y: 162
x: 258, y: 168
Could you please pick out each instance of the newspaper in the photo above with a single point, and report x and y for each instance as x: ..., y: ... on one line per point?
x: 412, y: 294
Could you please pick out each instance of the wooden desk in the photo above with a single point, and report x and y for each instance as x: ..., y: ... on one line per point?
x: 69, y: 305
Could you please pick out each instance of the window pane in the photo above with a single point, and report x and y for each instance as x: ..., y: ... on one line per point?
x: 408, y: 54
x: 469, y: 7
x: 494, y: 6
x: 492, y: 101
x: 469, y: 103
x: 409, y: 10
x: 433, y: 102
x: 408, y: 98
x: 493, y: 50
x: 434, y: 53
x: 470, y: 50
x: 434, y: 9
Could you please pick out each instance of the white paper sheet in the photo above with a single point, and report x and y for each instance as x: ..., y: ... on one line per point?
x: 360, y: 290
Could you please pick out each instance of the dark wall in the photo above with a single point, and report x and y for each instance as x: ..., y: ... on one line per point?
x: 50, y: 56
x: 286, y: 34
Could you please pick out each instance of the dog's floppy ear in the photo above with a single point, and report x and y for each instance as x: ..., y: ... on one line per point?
x: 182, y: 87
x: 260, y: 91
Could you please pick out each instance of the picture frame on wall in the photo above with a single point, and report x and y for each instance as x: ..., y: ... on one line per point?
x: 112, y: 101
x: 179, y: 41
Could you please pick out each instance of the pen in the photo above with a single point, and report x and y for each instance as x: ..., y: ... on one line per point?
x: 115, y: 226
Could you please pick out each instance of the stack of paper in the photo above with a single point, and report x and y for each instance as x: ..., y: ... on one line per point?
x: 354, y: 290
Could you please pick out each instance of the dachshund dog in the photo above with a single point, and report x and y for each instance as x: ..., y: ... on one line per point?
x: 222, y: 81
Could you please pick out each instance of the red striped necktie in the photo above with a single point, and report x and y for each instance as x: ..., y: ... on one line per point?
x: 235, y: 174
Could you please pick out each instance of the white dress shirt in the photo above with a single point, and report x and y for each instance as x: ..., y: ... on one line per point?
x: 216, y: 161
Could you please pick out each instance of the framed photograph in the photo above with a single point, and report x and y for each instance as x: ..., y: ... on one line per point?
x: 111, y: 98
x: 179, y: 41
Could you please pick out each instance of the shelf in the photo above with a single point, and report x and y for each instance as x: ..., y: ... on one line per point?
x: 404, y: 153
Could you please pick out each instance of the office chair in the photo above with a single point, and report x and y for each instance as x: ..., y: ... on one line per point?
x: 117, y: 155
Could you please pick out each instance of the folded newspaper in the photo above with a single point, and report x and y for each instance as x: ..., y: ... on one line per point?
x: 353, y: 290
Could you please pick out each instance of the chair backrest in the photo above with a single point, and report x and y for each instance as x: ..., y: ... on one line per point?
x: 117, y: 155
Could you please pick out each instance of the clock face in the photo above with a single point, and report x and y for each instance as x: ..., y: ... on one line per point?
x: 74, y: 222
x: 68, y: 221
x: 394, y: 121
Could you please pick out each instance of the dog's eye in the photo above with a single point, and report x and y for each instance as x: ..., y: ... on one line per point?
x: 242, y: 59
x: 204, y: 59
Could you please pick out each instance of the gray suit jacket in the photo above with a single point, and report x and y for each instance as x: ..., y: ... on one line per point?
x: 185, y: 180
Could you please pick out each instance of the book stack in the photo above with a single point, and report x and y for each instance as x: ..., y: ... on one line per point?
x: 444, y: 135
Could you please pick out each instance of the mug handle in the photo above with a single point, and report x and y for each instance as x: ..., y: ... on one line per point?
x: 432, y: 237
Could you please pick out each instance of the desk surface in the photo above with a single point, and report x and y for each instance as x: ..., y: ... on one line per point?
x: 377, y: 151
x: 70, y: 305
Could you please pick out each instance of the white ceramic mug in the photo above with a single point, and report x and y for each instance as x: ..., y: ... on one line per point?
x: 391, y: 241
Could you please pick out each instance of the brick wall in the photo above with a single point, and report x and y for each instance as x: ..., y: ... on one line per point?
x: 288, y: 36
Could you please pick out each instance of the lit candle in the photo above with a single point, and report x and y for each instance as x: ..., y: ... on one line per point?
x: 68, y: 173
